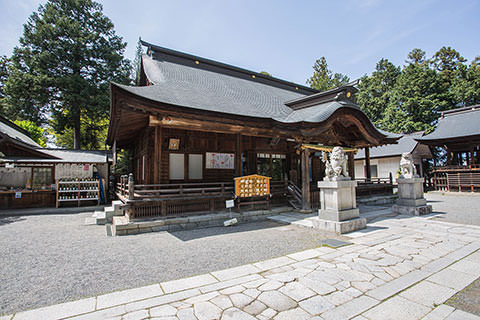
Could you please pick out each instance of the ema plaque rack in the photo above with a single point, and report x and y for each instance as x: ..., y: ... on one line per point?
x: 252, y: 189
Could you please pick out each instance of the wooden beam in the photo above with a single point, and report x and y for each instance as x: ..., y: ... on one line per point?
x: 351, y: 165
x: 217, y: 127
x: 305, y: 163
x: 157, y: 155
x: 368, y: 170
x: 238, y: 155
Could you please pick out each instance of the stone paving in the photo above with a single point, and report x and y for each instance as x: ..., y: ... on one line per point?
x: 398, y: 268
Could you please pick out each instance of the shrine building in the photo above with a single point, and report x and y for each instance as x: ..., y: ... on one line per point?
x: 193, y: 125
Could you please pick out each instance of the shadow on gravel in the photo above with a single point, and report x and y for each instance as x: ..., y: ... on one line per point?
x: 193, y: 234
x: 8, y: 220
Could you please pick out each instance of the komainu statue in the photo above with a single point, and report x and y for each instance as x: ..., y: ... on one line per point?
x: 407, y: 168
x: 336, y: 167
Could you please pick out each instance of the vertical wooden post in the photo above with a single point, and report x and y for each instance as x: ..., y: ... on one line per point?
x: 368, y: 171
x: 131, y: 187
x: 351, y: 165
x: 238, y: 156
x: 157, y: 155
x: 305, y: 163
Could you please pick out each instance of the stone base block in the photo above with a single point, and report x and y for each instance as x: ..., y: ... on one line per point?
x: 342, y: 215
x: 412, y: 211
x: 412, y: 202
x: 340, y: 226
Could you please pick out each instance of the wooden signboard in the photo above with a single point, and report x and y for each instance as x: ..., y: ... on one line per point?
x: 252, y: 186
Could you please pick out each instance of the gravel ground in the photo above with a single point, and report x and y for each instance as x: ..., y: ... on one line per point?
x: 49, y: 259
x: 468, y: 299
x: 456, y: 207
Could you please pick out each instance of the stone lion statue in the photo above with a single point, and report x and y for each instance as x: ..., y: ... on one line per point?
x: 336, y: 167
x: 407, y: 168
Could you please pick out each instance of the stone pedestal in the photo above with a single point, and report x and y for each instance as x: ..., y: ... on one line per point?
x: 410, y: 198
x: 338, y: 212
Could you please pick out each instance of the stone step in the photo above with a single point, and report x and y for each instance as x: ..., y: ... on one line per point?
x: 122, y: 226
x: 90, y: 221
x: 101, y: 217
x: 377, y: 200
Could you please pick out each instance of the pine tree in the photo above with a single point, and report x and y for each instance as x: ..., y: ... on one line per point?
x: 68, y: 54
x: 323, y: 78
x: 138, y: 61
x: 375, y: 91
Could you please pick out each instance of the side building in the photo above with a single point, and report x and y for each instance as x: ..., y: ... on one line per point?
x: 458, y: 135
x: 28, y: 172
x: 385, y: 159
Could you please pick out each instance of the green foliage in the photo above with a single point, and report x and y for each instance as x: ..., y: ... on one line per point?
x: 68, y: 54
x: 137, y: 62
x: 4, y: 62
x: 375, y: 91
x: 409, y: 99
x: 323, y: 78
x: 93, y: 134
x: 124, y: 162
x: 38, y: 134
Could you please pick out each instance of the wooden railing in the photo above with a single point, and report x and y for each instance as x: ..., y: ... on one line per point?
x: 374, y: 186
x: 182, y: 190
x: 181, y: 199
x: 454, y: 178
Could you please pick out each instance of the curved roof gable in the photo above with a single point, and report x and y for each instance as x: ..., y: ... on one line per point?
x: 455, y: 124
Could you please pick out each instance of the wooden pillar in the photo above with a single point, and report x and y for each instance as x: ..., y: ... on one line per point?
x: 157, y: 155
x: 368, y: 170
x: 238, y: 156
x: 305, y: 163
x: 351, y: 165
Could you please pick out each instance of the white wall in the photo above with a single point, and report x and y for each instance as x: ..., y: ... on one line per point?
x: 385, y: 166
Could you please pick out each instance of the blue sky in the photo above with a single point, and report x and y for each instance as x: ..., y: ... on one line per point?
x: 283, y: 37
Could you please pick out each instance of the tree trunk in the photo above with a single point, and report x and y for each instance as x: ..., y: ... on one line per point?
x: 76, y: 132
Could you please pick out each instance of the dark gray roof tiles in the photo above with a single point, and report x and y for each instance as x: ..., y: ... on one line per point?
x: 178, y: 80
x: 405, y: 144
x: 463, y: 122
x: 8, y: 128
x: 67, y: 156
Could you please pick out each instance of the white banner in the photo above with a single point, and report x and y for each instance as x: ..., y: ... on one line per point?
x: 216, y: 160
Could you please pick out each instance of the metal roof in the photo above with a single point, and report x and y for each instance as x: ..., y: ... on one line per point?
x: 16, y: 133
x: 406, y: 143
x: 457, y: 123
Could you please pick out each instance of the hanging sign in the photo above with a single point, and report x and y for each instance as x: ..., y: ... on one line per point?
x: 86, y: 167
x: 216, y: 160
x: 18, y: 195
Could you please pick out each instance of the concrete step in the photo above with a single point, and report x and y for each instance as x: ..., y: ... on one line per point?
x: 122, y: 226
x: 375, y: 214
x: 90, y: 221
x: 116, y: 204
x: 377, y: 200
x: 101, y: 218
x: 298, y: 219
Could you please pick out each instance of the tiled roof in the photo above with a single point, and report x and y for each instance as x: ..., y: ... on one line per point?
x: 66, y: 156
x: 188, y: 81
x: 456, y: 123
x: 405, y: 144
x: 14, y: 132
